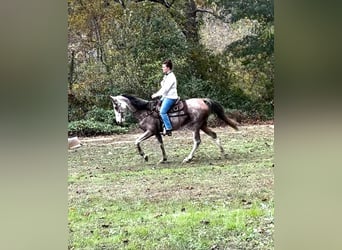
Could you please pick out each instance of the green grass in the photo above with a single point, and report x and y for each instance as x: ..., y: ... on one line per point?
x: 117, y: 201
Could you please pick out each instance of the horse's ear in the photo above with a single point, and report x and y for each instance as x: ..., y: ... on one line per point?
x: 112, y: 98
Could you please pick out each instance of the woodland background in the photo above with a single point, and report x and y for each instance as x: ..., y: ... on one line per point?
x: 221, y: 49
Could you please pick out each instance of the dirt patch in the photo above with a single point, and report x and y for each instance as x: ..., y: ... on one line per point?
x: 119, y: 139
x: 251, y: 146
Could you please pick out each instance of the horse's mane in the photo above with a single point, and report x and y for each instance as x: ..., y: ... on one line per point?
x: 137, y: 102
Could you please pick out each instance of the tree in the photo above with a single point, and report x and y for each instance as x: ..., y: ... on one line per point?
x: 118, y: 46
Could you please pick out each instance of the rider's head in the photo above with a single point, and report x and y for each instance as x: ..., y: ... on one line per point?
x: 167, y: 66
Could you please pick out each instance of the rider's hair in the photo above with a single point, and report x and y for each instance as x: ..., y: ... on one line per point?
x: 168, y: 63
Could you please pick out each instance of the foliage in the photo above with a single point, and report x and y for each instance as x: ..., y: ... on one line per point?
x: 117, y: 47
x: 98, y: 121
x: 92, y: 127
x: 251, y: 60
x: 123, y: 60
x: 253, y: 9
x: 101, y: 115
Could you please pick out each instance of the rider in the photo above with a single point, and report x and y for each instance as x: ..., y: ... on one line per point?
x: 168, y: 93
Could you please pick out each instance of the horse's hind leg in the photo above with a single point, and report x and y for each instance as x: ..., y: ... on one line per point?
x: 143, y: 137
x: 197, y: 141
x: 213, y: 135
x: 160, y: 140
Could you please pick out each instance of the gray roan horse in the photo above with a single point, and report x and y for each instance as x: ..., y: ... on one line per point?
x: 192, y: 114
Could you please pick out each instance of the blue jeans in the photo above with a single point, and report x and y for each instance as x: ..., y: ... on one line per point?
x: 165, y: 107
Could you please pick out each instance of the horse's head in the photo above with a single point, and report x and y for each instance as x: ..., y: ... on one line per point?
x: 120, y: 107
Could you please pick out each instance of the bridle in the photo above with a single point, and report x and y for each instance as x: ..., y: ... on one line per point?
x: 119, y: 109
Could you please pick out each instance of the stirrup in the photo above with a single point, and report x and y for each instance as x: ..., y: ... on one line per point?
x: 167, y: 132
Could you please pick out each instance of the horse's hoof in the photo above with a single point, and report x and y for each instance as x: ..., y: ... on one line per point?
x: 162, y: 161
x: 226, y: 157
x: 186, y: 160
x: 146, y: 157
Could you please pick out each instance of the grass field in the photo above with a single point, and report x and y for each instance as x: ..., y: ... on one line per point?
x: 117, y: 201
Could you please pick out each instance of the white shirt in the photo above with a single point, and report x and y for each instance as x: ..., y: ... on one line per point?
x: 168, y: 86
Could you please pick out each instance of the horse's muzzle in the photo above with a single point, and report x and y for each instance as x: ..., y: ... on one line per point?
x: 115, y: 122
x: 120, y: 123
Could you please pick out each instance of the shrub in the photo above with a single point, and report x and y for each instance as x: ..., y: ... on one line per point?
x: 100, y: 115
x: 91, y: 128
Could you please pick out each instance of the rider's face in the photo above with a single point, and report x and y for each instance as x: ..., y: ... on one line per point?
x: 165, y: 68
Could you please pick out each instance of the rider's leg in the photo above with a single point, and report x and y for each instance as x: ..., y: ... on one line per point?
x: 165, y: 107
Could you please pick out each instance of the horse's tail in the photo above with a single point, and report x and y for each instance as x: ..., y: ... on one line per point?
x: 217, y: 109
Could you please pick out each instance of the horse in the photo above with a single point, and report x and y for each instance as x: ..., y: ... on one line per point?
x: 193, y: 114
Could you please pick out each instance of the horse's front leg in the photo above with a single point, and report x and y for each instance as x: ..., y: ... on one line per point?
x: 197, y: 141
x: 143, y: 137
x: 160, y: 140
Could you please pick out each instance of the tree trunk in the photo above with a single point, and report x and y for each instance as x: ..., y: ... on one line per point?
x: 190, y: 28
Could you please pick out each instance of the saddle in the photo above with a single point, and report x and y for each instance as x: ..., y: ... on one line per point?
x: 179, y: 108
